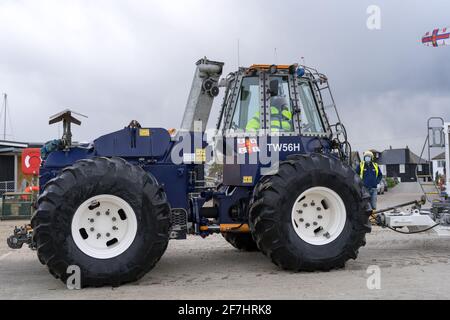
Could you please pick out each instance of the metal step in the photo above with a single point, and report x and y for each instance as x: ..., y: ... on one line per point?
x: 178, y: 224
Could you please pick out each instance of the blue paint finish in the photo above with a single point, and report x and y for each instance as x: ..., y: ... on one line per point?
x: 283, y: 145
x: 186, y: 142
x: 154, y: 153
x: 61, y: 159
x: 174, y: 180
x: 226, y: 202
x: 131, y: 142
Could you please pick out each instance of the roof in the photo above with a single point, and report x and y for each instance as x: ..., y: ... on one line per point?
x: 17, y: 147
x: 4, y: 143
x: 400, y: 156
x: 268, y: 66
x: 413, y: 158
x: 7, y: 151
x: 440, y: 156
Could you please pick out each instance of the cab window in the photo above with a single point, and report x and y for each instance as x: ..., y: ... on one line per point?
x: 280, y: 105
x: 310, y: 117
x: 247, y: 111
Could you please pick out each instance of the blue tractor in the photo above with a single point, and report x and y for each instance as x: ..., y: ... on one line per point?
x: 287, y: 187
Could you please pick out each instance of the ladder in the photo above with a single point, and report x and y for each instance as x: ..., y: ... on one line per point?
x: 435, y: 140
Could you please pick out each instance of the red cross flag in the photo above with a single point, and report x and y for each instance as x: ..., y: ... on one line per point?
x: 437, y: 38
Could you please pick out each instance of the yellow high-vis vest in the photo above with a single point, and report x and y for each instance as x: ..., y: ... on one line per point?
x: 362, y: 166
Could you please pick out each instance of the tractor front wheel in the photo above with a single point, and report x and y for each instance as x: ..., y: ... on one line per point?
x: 311, y: 215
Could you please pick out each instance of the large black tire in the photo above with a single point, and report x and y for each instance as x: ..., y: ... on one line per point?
x: 271, y: 210
x: 241, y: 241
x: 78, y: 183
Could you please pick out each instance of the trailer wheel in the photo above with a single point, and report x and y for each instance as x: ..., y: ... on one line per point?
x: 311, y: 215
x: 106, y: 216
x: 241, y: 241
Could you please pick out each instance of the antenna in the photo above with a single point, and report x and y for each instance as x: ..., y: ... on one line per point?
x: 275, y: 55
x: 5, y: 104
x: 238, y: 54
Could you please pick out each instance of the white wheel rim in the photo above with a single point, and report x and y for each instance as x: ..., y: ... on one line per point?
x: 319, y: 216
x: 104, y: 226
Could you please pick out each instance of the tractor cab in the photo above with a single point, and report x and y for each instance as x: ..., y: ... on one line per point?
x: 277, y: 100
x: 271, y: 112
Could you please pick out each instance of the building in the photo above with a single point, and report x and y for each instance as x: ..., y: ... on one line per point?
x: 438, y: 165
x: 402, y: 164
x: 376, y: 154
x: 11, y: 177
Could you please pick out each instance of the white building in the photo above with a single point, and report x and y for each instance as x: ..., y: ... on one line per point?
x: 439, y: 164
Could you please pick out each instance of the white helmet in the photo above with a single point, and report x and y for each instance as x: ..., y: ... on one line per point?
x: 368, y: 154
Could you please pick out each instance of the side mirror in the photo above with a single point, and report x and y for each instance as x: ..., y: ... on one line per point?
x: 273, y: 86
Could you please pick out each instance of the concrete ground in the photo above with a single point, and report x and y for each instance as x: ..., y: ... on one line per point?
x: 412, y: 267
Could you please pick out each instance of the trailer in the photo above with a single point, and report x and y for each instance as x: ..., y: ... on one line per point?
x: 432, y: 212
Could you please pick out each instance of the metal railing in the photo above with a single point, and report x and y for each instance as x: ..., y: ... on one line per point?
x: 435, y: 140
x: 7, y: 186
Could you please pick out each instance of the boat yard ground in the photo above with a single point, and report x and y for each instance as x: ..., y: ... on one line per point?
x: 411, y: 267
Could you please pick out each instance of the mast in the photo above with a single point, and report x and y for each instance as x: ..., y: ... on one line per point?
x: 5, y: 104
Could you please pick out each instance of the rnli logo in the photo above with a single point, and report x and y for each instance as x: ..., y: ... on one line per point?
x: 247, y: 145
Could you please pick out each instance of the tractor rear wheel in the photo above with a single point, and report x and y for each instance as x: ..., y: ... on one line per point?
x: 241, y: 241
x: 311, y: 215
x: 105, y: 216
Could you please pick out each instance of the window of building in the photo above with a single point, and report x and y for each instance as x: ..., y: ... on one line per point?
x: 419, y: 168
x: 402, y: 168
x: 441, y: 163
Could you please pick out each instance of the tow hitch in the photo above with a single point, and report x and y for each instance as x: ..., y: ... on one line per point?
x: 22, y: 235
x: 416, y: 219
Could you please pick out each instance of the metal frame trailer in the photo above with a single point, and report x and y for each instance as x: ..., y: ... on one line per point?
x: 434, y: 218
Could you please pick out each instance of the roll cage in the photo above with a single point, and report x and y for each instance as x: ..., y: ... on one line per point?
x: 307, y: 91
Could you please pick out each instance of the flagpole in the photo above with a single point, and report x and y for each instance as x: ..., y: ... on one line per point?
x: 5, y: 99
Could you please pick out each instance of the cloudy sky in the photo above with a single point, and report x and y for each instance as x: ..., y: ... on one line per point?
x: 121, y: 60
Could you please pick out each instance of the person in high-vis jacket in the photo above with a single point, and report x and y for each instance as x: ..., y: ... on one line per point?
x: 280, y: 117
x: 371, y: 175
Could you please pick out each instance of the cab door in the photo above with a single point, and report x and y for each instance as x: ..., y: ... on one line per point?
x: 245, y: 120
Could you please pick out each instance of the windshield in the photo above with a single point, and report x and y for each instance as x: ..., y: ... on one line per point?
x: 310, y: 116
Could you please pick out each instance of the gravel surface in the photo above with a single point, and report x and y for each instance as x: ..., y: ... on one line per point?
x: 411, y: 266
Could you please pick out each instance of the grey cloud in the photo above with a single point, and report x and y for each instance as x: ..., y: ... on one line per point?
x: 122, y: 60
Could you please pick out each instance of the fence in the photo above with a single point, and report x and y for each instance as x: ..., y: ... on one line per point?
x: 6, y: 186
